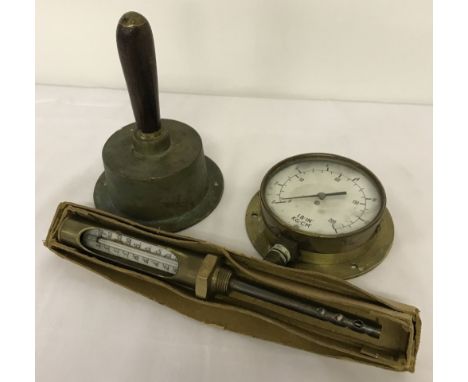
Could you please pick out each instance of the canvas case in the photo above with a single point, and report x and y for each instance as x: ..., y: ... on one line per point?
x: 395, y: 349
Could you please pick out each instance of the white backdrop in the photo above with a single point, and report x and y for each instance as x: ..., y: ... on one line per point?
x: 89, y: 329
x: 374, y: 50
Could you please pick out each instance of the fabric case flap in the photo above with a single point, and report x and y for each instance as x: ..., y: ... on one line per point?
x: 395, y: 349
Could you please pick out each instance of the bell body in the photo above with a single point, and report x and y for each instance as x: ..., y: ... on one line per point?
x: 155, y: 171
x: 161, y: 179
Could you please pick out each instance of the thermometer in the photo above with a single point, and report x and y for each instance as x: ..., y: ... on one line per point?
x: 202, y: 273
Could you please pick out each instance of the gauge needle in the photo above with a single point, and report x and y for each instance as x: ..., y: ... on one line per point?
x: 320, y: 195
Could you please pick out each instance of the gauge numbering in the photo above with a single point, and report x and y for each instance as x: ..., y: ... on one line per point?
x: 323, y: 196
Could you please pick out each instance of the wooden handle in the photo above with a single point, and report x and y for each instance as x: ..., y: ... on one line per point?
x: 136, y: 51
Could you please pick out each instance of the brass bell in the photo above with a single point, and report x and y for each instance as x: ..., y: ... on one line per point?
x: 155, y: 171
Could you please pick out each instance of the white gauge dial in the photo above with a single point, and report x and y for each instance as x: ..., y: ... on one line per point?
x: 323, y: 197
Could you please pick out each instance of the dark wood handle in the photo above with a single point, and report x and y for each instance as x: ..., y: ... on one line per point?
x: 136, y: 51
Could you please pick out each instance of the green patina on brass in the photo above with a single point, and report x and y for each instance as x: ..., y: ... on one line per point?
x: 155, y: 169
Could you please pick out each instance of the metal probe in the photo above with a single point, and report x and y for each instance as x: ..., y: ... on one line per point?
x: 193, y: 270
x: 317, y: 311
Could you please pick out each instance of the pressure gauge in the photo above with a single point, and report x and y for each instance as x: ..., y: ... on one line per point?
x: 321, y: 212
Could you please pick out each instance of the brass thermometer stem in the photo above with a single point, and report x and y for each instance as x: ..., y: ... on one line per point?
x: 204, y: 274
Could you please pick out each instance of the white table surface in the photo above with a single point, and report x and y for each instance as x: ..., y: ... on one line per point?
x: 89, y: 329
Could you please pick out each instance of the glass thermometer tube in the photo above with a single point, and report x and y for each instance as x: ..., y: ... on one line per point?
x: 130, y: 249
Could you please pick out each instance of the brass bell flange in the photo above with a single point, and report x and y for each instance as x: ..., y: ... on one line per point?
x: 155, y: 170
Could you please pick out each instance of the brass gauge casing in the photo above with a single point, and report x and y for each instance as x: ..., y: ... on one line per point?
x: 345, y: 254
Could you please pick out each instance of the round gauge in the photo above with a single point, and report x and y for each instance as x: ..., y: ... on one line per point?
x: 323, y: 195
x: 321, y: 212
